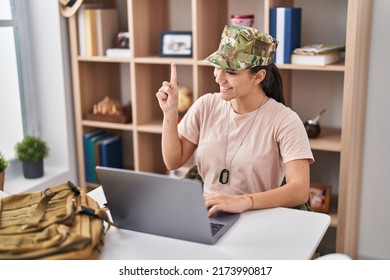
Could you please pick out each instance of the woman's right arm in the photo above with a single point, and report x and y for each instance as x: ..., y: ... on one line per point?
x: 176, y: 150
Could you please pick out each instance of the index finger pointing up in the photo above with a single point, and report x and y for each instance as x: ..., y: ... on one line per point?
x: 173, y: 75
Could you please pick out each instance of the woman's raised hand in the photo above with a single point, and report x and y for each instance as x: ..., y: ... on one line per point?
x: 167, y: 95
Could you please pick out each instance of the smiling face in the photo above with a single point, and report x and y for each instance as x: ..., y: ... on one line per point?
x: 238, y: 84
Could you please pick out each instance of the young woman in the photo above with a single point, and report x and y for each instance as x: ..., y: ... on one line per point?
x: 246, y: 140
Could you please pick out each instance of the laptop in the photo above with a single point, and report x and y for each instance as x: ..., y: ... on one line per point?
x: 161, y: 205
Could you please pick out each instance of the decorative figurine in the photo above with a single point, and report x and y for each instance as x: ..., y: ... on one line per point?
x: 108, y: 106
x: 110, y: 110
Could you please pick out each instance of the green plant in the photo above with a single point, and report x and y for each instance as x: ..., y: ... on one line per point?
x: 31, y: 149
x: 3, y: 163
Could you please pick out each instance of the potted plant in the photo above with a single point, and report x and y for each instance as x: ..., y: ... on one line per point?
x: 3, y: 166
x: 31, y: 151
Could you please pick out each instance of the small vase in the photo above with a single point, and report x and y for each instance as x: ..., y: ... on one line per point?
x: 33, y: 170
x: 313, y: 127
x: 2, y: 175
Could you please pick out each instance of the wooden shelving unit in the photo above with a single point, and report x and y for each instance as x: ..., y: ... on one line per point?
x: 97, y: 76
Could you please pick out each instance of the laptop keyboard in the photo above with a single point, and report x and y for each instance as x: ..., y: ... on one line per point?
x: 215, y: 227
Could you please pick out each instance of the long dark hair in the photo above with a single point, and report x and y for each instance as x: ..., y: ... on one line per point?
x: 272, y: 84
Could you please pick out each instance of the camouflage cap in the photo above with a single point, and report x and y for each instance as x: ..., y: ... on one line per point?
x: 243, y: 47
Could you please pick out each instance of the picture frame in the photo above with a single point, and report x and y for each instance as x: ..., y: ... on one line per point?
x: 320, y: 197
x: 176, y: 44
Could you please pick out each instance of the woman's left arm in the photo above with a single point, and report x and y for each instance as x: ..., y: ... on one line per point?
x: 294, y: 192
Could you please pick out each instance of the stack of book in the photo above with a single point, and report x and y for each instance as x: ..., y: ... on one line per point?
x: 101, y: 148
x: 317, y: 54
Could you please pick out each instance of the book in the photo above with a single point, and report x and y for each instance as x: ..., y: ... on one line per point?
x: 285, y: 26
x: 86, y: 138
x: 90, y: 32
x: 317, y: 59
x: 106, y: 29
x: 97, y: 149
x: 81, y: 25
x: 80, y: 29
x: 313, y: 49
x: 111, y: 154
x: 117, y: 52
x: 91, y: 178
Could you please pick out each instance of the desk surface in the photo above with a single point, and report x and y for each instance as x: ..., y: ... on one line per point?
x: 278, y: 233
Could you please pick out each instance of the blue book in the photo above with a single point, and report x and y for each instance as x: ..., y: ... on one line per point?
x: 91, y: 175
x: 86, y: 138
x: 285, y: 26
x: 97, y: 148
x: 111, y: 153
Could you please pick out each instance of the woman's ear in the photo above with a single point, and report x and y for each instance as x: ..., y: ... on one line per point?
x: 260, y: 76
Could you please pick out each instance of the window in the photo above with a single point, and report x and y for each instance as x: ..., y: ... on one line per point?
x: 13, y: 95
x: 39, y: 98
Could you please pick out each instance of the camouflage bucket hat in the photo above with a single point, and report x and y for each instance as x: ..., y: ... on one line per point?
x: 243, y: 47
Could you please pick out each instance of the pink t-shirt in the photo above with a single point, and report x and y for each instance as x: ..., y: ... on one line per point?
x: 274, y: 135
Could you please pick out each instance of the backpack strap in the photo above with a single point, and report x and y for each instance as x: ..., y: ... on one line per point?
x: 99, y: 213
x: 40, y: 209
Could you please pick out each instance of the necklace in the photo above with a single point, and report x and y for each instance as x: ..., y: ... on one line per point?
x: 224, y: 175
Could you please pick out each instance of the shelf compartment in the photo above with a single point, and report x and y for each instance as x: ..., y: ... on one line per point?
x: 127, y: 149
x: 210, y: 25
x: 147, y: 28
x: 147, y: 109
x: 150, y: 154
x: 98, y: 80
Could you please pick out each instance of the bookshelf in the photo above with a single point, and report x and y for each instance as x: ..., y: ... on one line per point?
x: 138, y: 77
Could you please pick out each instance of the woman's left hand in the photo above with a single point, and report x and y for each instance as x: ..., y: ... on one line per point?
x: 218, y: 201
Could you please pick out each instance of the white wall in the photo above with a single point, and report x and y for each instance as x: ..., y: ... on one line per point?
x: 51, y: 63
x: 48, y: 76
x: 374, y: 229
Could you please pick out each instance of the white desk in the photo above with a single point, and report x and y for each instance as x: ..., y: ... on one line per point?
x: 279, y: 233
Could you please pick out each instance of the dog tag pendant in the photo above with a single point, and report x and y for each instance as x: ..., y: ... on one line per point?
x: 224, y: 176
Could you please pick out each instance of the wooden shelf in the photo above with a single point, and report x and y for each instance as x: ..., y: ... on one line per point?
x: 107, y: 125
x: 340, y: 67
x: 104, y: 59
x: 329, y: 140
x: 152, y: 127
x: 164, y: 60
